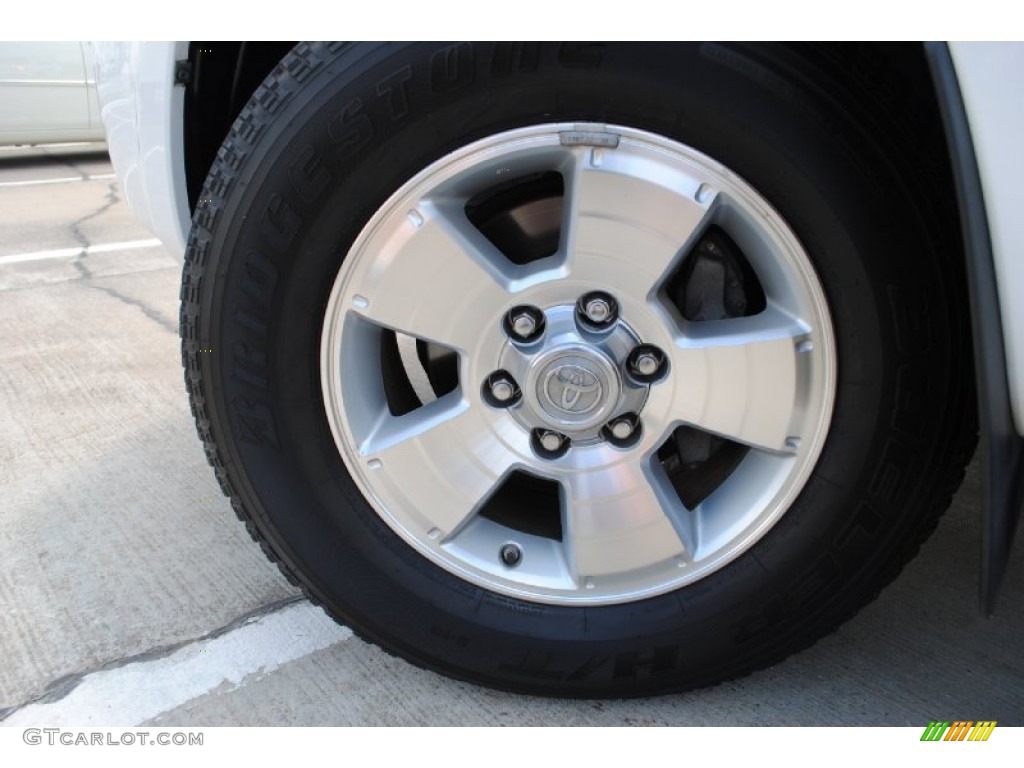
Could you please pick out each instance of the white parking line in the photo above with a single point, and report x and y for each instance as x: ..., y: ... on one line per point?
x: 63, y: 253
x: 55, y: 145
x: 134, y: 693
x: 62, y: 180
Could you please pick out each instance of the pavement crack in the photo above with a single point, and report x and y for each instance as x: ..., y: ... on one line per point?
x: 112, y: 198
x: 81, y: 267
x: 65, y: 160
x: 62, y: 686
x: 147, y: 310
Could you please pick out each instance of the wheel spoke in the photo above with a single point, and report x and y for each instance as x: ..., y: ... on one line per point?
x: 624, y: 519
x: 724, y: 515
x: 739, y: 378
x: 436, y: 278
x: 440, y: 459
x: 629, y: 220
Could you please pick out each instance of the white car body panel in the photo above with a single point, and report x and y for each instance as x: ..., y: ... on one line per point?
x: 989, y: 75
x: 144, y: 111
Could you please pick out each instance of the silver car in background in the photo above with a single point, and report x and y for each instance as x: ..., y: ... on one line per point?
x: 48, y: 93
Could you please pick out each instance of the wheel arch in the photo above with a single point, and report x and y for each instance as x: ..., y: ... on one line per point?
x: 1002, y: 447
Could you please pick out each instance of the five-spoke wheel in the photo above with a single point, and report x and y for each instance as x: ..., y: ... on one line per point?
x: 577, y: 368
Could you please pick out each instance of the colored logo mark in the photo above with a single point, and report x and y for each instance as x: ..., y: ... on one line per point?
x: 959, y: 730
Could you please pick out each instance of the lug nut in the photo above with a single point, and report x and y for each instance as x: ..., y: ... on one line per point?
x: 511, y: 555
x: 551, y: 441
x: 623, y: 430
x: 524, y: 324
x: 597, y: 310
x: 549, y: 444
x: 500, y: 390
x: 646, y: 363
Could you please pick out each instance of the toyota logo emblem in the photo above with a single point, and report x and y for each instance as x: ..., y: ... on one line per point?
x: 573, y: 389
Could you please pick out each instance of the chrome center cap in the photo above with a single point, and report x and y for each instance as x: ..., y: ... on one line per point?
x: 573, y: 388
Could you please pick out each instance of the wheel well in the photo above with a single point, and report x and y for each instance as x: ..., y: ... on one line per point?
x: 887, y: 86
x: 223, y: 77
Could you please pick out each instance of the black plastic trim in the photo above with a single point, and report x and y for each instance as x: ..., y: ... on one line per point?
x: 183, y: 72
x: 1002, y: 449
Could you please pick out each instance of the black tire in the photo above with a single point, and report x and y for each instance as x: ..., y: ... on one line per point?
x: 336, y: 129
